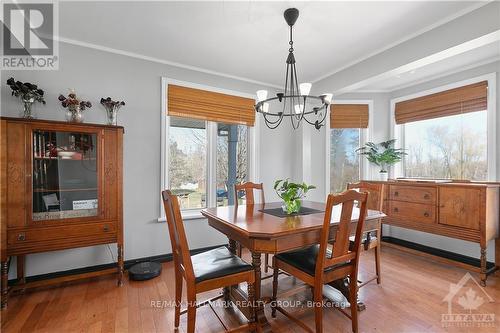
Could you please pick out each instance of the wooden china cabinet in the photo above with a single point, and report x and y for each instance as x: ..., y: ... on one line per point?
x: 61, y: 188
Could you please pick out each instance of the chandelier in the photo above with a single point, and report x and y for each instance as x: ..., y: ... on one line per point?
x: 294, y: 102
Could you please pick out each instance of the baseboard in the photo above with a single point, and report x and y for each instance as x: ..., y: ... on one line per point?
x: 437, y: 252
x: 127, y: 264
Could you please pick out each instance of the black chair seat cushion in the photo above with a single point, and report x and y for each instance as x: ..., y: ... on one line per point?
x: 217, y: 263
x: 305, y: 259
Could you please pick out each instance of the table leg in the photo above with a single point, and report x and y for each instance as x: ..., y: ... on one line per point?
x: 342, y: 285
x: 260, y: 317
x: 232, y: 249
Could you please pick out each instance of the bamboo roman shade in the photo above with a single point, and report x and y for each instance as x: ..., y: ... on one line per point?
x: 349, y: 115
x: 470, y: 98
x: 208, y: 105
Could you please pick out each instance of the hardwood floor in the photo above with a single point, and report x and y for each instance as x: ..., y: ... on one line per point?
x: 410, y: 299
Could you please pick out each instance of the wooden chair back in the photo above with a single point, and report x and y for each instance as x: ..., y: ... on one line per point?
x: 180, y: 248
x: 249, y: 188
x: 376, y: 192
x: 341, y: 253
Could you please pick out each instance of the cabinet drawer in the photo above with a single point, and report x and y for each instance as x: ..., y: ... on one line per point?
x: 61, y: 233
x: 412, y: 211
x: 426, y: 195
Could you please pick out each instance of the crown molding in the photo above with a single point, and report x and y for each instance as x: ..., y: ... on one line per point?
x: 405, y: 39
x: 160, y: 61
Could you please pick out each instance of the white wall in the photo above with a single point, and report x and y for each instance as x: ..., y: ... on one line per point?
x: 95, y: 74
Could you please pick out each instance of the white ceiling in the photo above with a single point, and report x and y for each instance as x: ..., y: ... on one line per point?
x: 250, y: 39
x: 481, y: 55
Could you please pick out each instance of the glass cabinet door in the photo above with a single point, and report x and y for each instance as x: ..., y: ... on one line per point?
x: 65, y: 179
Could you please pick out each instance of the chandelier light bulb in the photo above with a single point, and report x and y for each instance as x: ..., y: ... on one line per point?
x: 328, y: 98
x: 299, y: 108
x: 305, y: 88
x: 261, y: 95
x: 265, y: 107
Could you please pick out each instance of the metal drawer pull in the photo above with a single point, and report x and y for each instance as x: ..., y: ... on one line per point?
x: 396, y: 193
x: 396, y: 210
x: 106, y: 227
x: 426, y: 196
x: 21, y: 236
x: 426, y: 214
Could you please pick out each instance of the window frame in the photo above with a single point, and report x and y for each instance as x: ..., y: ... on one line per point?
x: 365, y: 136
x: 211, y: 155
x: 398, y: 131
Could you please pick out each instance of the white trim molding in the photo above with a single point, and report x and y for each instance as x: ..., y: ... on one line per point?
x: 397, y: 131
x: 253, y: 139
x: 365, y: 136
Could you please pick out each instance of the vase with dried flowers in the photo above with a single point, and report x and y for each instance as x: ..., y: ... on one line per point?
x: 112, y: 108
x: 29, y: 93
x: 74, y: 106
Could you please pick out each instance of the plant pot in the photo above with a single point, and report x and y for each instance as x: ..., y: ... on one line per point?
x: 291, y: 207
x: 74, y: 114
x: 27, y: 108
x: 112, y: 113
x: 383, y: 176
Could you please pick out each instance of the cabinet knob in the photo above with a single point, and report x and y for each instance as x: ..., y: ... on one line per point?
x: 426, y: 196
x: 106, y: 227
x: 21, y: 236
x: 396, y: 193
x: 396, y: 210
x: 426, y: 214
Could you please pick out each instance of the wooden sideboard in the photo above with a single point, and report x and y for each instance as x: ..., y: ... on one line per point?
x: 461, y: 210
x: 61, y: 188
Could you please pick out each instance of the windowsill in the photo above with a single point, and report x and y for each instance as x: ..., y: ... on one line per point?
x: 187, y: 215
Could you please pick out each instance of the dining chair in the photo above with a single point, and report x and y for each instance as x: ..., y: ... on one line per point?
x: 249, y: 188
x: 213, y: 269
x: 372, y: 238
x: 319, y: 264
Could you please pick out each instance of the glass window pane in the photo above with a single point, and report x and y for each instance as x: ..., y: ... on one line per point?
x: 187, y: 172
x: 64, y: 175
x: 453, y: 147
x: 344, y: 161
x: 232, y: 162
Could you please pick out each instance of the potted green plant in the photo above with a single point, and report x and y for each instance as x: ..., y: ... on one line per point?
x: 291, y: 193
x: 382, y: 154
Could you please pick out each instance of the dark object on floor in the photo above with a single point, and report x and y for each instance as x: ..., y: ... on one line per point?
x: 144, y: 271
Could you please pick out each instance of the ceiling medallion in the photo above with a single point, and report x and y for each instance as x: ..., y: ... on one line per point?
x: 294, y: 102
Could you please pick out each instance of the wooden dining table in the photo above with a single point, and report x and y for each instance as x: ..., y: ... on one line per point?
x: 261, y: 232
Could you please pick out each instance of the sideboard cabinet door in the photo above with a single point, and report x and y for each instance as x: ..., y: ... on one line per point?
x: 460, y: 207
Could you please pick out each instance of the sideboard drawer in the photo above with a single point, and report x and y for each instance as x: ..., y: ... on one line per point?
x: 412, y: 211
x: 426, y: 195
x: 21, y: 237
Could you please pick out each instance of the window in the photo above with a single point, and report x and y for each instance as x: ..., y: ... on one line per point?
x: 349, y: 124
x: 187, y: 163
x: 453, y: 147
x: 344, y: 161
x: 187, y: 169
x: 207, y: 142
x: 232, y: 161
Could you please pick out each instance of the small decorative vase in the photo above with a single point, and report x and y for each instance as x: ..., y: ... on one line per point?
x: 27, y: 108
x: 291, y: 207
x: 112, y: 116
x: 74, y: 114
x: 383, y: 176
